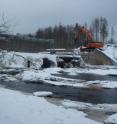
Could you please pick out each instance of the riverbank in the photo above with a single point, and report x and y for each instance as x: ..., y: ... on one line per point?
x: 18, y: 108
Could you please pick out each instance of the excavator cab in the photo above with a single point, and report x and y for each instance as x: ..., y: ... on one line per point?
x: 85, y: 40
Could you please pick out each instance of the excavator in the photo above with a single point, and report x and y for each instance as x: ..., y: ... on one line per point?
x: 85, y: 40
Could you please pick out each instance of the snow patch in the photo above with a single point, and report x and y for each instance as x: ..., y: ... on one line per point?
x: 42, y: 94
x: 102, y: 84
x: 99, y: 71
x: 89, y: 106
x: 35, y: 75
x: 112, y: 119
x: 20, y: 60
x: 46, y: 76
x: 111, y: 51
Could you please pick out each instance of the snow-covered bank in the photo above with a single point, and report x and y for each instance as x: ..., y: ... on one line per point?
x: 111, y: 51
x: 17, y: 108
x: 20, y: 60
x: 112, y: 119
x: 104, y: 109
x: 89, y: 106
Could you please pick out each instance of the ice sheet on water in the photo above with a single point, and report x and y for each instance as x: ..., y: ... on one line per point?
x: 42, y: 93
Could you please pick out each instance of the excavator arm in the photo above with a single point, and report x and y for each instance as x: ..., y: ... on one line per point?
x: 84, y: 38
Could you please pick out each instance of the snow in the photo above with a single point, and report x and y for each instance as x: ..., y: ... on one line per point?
x: 47, y: 73
x: 112, y: 119
x: 18, y: 108
x: 35, y: 75
x: 111, y: 51
x: 77, y: 105
x: 46, y: 76
x: 99, y: 71
x: 102, y: 84
x: 89, y: 84
x: 65, y: 83
x: 19, y: 60
x: 42, y: 94
x: 54, y: 70
x: 89, y: 106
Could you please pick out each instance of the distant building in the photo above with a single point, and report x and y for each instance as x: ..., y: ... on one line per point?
x: 24, y: 43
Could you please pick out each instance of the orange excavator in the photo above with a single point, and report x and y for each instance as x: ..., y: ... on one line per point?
x: 85, y: 40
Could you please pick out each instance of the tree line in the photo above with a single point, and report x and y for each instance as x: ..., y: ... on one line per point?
x: 63, y: 35
x: 100, y: 28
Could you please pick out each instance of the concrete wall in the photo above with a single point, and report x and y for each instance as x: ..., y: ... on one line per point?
x: 24, y: 45
x: 96, y: 57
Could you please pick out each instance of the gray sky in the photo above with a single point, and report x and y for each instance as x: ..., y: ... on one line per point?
x: 29, y: 15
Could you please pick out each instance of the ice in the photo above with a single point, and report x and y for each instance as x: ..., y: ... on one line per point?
x: 98, y: 71
x: 42, y: 93
x: 89, y: 106
x: 33, y: 75
x: 102, y: 84
x: 46, y: 75
x: 112, y: 119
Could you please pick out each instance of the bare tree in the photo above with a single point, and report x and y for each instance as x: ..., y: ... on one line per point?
x: 95, y: 26
x: 103, y: 28
x: 76, y: 28
x: 86, y: 25
x: 112, y: 35
x: 4, y: 25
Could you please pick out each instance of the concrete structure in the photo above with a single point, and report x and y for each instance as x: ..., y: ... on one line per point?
x: 97, y: 57
x: 24, y: 44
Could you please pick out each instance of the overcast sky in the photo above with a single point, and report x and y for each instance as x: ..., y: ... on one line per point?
x: 28, y: 15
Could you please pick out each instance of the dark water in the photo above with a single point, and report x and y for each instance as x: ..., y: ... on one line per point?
x: 66, y: 92
x: 11, y: 72
x: 89, y: 77
x: 78, y: 94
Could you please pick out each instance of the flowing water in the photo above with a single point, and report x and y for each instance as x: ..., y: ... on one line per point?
x: 66, y: 92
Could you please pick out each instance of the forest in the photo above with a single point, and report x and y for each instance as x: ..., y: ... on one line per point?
x: 63, y: 35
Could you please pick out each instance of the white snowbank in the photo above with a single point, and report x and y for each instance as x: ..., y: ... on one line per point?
x: 111, y: 51
x: 89, y: 84
x: 19, y: 60
x: 47, y: 76
x: 112, y: 119
x: 66, y: 82
x: 89, y: 106
x: 17, y: 108
x: 42, y: 93
x: 77, y: 105
x: 35, y: 75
